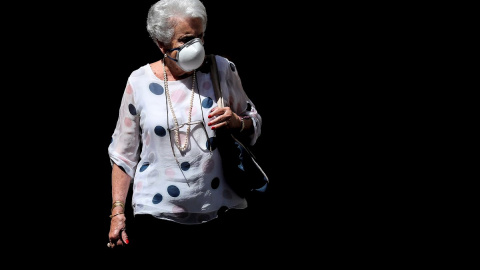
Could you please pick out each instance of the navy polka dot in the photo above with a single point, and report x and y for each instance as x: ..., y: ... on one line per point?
x: 215, y: 183
x: 207, y: 102
x: 144, y: 166
x: 232, y: 67
x: 156, y: 88
x: 132, y: 109
x: 157, y: 198
x: 212, y: 141
x: 185, y: 166
x: 160, y: 131
x: 173, y: 191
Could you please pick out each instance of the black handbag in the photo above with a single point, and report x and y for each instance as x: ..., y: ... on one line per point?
x: 240, y: 166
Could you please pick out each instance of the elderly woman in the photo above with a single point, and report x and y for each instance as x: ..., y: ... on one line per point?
x: 163, y: 145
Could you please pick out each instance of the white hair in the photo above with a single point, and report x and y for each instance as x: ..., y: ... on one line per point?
x: 162, y: 15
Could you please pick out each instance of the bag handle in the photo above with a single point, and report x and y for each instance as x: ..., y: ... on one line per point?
x: 215, y: 79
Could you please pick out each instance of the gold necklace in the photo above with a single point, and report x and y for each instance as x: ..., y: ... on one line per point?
x: 177, y: 133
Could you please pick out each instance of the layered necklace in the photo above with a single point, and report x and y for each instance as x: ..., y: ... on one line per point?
x: 177, y: 127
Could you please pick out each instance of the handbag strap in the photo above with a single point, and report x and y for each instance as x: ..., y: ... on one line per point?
x: 215, y: 79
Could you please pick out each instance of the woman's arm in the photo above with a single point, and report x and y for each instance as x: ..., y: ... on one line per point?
x: 238, y: 100
x: 120, y: 186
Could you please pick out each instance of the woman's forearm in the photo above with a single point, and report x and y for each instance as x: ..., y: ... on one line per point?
x: 120, y: 186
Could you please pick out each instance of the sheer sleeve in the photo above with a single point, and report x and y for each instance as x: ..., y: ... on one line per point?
x: 124, y: 148
x: 235, y: 96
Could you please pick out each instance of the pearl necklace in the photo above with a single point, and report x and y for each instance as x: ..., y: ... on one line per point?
x: 177, y: 133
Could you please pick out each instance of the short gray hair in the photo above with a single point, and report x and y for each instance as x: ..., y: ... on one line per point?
x: 161, y: 17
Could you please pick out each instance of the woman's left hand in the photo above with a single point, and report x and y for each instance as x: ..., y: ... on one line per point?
x: 118, y: 234
x: 224, y: 117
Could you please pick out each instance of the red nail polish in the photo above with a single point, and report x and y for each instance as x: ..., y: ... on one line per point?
x: 209, y: 116
x: 126, y: 241
x: 213, y: 128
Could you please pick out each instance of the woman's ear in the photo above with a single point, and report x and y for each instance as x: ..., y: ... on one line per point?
x: 161, y: 46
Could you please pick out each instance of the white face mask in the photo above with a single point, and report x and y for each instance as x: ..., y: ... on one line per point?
x: 190, y: 55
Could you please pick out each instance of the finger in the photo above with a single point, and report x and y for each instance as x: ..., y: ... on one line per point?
x: 216, y: 121
x: 215, y: 112
x: 125, y: 236
x: 218, y: 124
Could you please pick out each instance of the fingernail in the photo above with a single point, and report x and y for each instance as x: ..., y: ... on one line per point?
x: 209, y: 116
x: 209, y: 124
x: 126, y: 241
x: 213, y: 128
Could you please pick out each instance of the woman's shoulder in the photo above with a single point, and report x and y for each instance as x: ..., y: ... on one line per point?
x: 224, y: 63
x: 143, y: 79
x: 142, y: 71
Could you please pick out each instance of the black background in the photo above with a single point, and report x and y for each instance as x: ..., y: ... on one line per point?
x: 108, y: 42
x: 309, y: 72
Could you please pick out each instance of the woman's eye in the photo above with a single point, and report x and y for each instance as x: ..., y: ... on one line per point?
x: 186, y: 39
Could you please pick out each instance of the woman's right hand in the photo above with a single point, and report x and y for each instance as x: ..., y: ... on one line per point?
x: 118, y: 234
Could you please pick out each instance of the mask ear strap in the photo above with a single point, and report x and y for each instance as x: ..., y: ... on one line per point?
x: 166, y: 55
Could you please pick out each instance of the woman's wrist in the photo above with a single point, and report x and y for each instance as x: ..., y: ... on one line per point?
x: 118, y: 208
x: 244, y: 120
x: 114, y: 215
x: 117, y: 204
x: 245, y: 128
